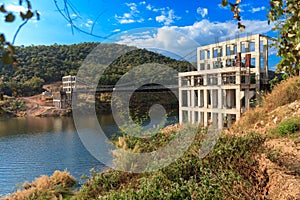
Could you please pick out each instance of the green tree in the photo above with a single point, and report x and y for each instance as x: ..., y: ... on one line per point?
x: 285, y: 14
x: 7, y: 49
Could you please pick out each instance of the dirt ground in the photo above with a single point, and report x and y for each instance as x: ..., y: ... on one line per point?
x: 282, y: 164
x: 39, y: 108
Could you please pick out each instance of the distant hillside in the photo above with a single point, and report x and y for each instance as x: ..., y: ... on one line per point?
x: 38, y: 65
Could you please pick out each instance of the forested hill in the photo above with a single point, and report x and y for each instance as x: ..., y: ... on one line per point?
x: 38, y: 65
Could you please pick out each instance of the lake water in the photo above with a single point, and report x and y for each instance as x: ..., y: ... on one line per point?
x: 30, y: 147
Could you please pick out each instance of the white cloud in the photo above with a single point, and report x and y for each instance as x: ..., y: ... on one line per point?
x: 167, y: 18
x: 254, y: 10
x: 127, y: 15
x: 202, y: 11
x: 126, y: 21
x: 131, y: 16
x: 116, y: 30
x: 152, y: 8
x: 149, y: 7
x: 184, y: 39
x: 132, y: 6
x: 142, y: 3
x: 15, y: 8
x: 74, y: 15
x: 89, y: 23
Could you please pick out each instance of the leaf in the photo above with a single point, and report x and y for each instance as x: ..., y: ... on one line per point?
x: 9, y: 17
x: 2, y: 9
x: 242, y: 28
x: 11, y: 48
x: 7, y: 58
x: 298, y: 47
x: 291, y: 35
x: 224, y: 3
x: 28, y: 15
x: 2, y: 38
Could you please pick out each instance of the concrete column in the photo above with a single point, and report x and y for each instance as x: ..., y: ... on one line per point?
x: 192, y: 81
x: 204, y: 79
x: 215, y: 120
x: 179, y: 82
x: 238, y: 78
x: 239, y: 47
x: 205, y: 119
x: 219, y: 79
x: 206, y: 54
x: 214, y: 98
x: 247, y: 100
x: 199, y: 98
x: 220, y: 121
x: 224, y: 48
x: 205, y: 98
x: 220, y: 99
x: 211, y: 50
x: 238, y: 101
x: 193, y: 98
x: 201, y: 118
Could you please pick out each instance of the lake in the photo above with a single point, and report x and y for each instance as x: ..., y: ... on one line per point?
x: 30, y: 147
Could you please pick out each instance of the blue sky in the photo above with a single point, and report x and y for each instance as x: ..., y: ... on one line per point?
x: 152, y: 24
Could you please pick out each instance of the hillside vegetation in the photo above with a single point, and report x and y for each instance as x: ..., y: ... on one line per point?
x: 38, y: 65
x: 258, y: 158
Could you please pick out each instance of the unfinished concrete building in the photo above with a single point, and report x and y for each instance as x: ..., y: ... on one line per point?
x: 69, y: 84
x: 228, y: 76
x: 62, y: 99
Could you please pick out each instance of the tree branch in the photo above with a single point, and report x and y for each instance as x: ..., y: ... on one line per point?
x: 17, y: 32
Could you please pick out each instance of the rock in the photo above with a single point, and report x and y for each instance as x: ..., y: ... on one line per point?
x: 294, y: 106
x: 257, y: 125
x: 297, y: 141
x: 276, y: 120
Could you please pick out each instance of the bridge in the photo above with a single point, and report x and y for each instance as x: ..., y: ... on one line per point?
x: 112, y: 88
x: 72, y: 84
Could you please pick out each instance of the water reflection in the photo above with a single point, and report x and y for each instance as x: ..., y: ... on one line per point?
x: 30, y: 147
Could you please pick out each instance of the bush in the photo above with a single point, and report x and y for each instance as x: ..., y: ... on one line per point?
x: 57, y: 186
x: 230, y: 171
x: 288, y: 127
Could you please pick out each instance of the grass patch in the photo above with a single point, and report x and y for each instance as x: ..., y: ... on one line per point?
x: 230, y: 171
x: 285, y: 128
x: 288, y: 127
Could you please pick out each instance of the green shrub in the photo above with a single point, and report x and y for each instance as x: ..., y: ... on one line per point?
x: 288, y: 126
x: 230, y: 171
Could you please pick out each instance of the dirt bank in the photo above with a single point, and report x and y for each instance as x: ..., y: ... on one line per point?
x: 37, y: 108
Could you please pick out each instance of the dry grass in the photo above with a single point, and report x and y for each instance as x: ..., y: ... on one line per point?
x: 56, y: 186
x: 286, y: 92
x: 273, y: 104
